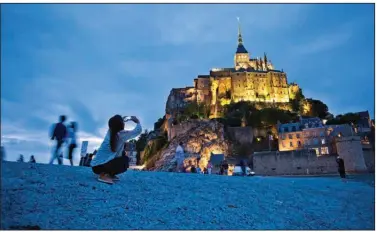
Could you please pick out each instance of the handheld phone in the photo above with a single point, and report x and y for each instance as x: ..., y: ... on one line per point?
x: 126, y: 118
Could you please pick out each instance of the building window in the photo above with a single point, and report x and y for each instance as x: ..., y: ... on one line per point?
x: 283, y: 136
x: 323, y: 141
x: 299, y: 143
x: 291, y: 144
x: 322, y: 134
x: 316, y: 151
x: 324, y: 150
x: 290, y: 136
x: 298, y: 136
x: 315, y: 141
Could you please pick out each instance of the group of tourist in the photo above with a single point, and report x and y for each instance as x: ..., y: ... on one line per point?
x: 63, y: 134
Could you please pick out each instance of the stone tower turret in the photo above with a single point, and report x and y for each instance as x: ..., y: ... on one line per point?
x: 241, y: 58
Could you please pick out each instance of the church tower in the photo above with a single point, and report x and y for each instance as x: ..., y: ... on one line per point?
x: 241, y: 58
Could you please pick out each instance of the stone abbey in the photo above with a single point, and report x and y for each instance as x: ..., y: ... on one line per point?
x: 251, y: 79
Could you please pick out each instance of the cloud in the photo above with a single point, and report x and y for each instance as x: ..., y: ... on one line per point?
x: 325, y: 42
x: 90, y: 62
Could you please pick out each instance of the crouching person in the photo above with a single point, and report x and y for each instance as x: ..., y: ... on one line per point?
x: 109, y: 161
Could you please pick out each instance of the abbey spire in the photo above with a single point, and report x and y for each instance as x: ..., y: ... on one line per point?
x: 240, y: 47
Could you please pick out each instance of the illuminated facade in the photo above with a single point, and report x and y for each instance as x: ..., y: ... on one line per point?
x: 308, y: 133
x: 251, y: 79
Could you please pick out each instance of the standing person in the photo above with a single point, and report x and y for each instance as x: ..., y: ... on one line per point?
x: 243, y: 167
x: 109, y: 161
x: 21, y: 158
x: 59, y: 134
x: 209, y: 167
x: 72, y: 143
x: 32, y: 159
x: 179, y: 156
x: 225, y: 167
x: 341, y: 168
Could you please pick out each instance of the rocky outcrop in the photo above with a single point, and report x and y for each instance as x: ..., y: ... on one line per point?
x: 203, y: 138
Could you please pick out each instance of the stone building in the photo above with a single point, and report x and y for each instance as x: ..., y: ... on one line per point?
x: 308, y: 133
x: 252, y: 79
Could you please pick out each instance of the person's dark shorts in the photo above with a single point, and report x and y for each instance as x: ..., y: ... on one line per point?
x: 113, y: 167
x: 70, y: 150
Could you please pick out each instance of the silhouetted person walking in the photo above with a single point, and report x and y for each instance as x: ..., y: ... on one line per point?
x: 32, y: 159
x: 341, y: 168
x: 59, y: 134
x: 72, y: 141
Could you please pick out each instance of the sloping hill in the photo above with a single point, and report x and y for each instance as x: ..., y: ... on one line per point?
x: 63, y: 197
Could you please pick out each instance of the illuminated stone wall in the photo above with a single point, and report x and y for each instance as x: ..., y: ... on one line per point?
x: 293, y: 163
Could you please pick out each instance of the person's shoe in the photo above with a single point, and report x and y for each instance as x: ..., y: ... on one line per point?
x: 105, y: 179
x: 115, y: 178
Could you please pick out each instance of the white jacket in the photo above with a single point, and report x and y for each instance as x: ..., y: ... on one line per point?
x: 105, y: 154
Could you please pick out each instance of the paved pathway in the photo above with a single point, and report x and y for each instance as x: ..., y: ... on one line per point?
x: 63, y: 197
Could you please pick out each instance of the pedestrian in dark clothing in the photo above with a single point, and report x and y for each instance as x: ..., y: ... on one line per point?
x: 32, y: 159
x: 225, y: 167
x: 72, y: 141
x: 193, y: 169
x: 59, y: 134
x: 243, y: 167
x: 341, y: 168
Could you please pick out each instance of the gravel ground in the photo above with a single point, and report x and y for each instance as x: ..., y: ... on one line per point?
x: 63, y: 197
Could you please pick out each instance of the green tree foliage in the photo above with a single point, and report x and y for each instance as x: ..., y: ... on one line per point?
x: 153, y: 147
x: 266, y: 117
x: 159, y: 123
x: 196, y: 110
x: 318, y: 108
x: 297, y: 101
x: 347, y: 118
x: 141, y: 142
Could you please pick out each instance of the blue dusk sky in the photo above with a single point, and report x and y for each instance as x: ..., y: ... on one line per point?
x: 90, y: 62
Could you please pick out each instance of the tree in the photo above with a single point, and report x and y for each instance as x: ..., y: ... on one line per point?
x: 297, y: 101
x: 159, y: 123
x: 348, y: 118
x: 317, y: 108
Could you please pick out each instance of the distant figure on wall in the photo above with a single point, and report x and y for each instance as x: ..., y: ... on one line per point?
x: 179, y: 156
x: 109, y: 160
x: 32, y: 159
x: 21, y: 159
x: 59, y: 134
x: 72, y: 143
x: 341, y: 168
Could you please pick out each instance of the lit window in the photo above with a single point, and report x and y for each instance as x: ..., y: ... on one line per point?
x: 316, y: 151
x: 323, y: 141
